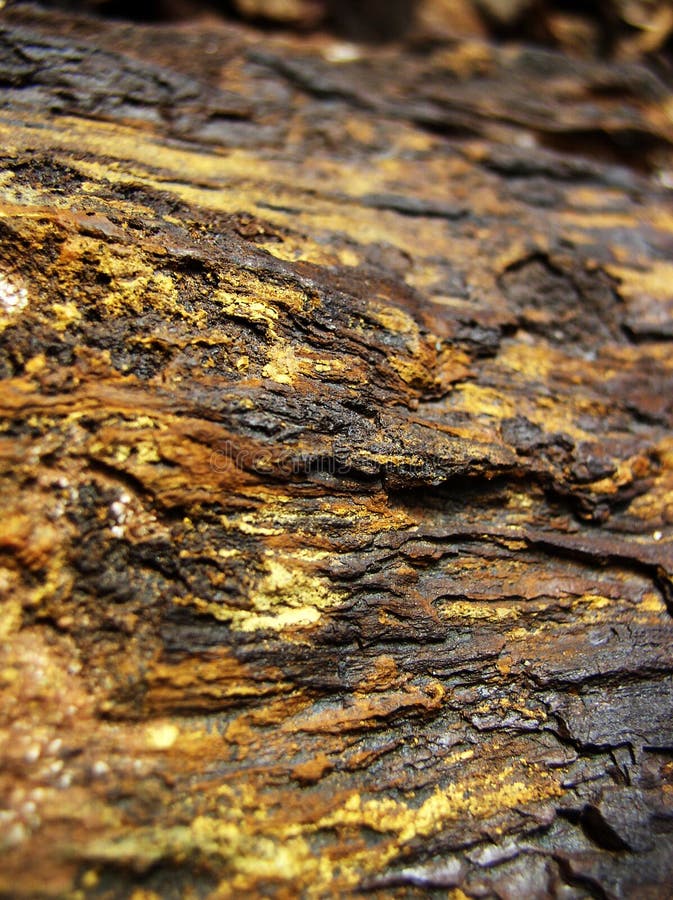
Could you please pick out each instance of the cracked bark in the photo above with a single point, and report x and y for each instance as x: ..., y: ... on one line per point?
x: 337, y: 463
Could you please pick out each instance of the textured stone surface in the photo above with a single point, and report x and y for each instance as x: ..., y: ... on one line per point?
x: 337, y: 468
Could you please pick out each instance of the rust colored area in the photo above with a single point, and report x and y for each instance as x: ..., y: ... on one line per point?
x: 336, y: 546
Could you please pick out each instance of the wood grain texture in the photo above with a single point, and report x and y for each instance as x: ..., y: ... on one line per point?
x: 337, y: 467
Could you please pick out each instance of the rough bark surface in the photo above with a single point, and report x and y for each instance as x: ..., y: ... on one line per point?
x: 336, y: 545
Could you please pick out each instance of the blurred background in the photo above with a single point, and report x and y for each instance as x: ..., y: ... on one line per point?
x: 608, y: 29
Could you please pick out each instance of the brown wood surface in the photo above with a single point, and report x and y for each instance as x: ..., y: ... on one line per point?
x: 336, y: 544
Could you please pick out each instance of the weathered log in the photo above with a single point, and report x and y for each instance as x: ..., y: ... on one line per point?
x: 337, y: 468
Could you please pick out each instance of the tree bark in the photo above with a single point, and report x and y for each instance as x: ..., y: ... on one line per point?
x: 336, y: 545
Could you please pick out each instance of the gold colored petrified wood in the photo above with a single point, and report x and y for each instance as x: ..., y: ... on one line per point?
x: 336, y: 535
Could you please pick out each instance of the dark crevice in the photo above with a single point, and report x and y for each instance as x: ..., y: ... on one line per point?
x: 591, y: 885
x: 121, y: 476
x: 599, y: 831
x: 635, y: 149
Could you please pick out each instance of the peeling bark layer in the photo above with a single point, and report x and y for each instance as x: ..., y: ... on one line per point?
x: 337, y: 468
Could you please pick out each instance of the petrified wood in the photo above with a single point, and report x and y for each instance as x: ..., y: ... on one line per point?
x: 337, y: 468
